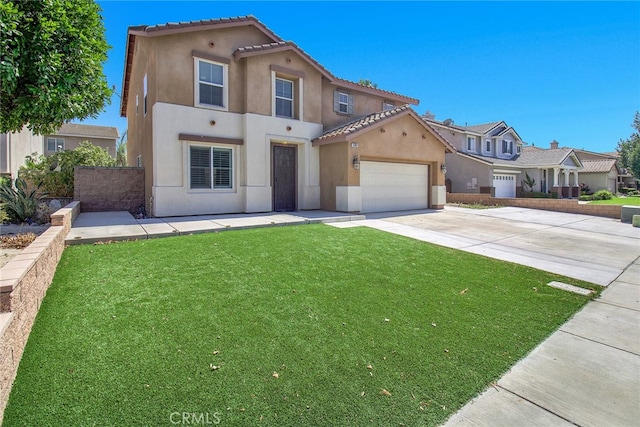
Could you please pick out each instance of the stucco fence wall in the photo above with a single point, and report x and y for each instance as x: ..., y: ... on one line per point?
x: 24, y: 281
x: 558, y: 205
x: 102, y: 189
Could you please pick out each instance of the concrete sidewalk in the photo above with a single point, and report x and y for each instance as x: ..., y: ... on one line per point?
x: 91, y: 227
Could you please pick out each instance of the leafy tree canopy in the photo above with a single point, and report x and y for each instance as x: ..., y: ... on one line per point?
x: 51, y: 63
x: 367, y: 82
x: 629, y: 149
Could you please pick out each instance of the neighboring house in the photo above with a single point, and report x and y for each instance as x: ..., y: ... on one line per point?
x: 492, y: 159
x: 70, y: 135
x: 600, y: 171
x: 226, y: 117
x: 15, y: 147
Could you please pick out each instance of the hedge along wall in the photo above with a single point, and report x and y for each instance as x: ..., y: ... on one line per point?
x: 558, y: 205
x: 24, y: 281
x: 101, y: 189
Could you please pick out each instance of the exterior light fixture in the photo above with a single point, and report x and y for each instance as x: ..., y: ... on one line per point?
x: 356, y: 162
x: 443, y: 168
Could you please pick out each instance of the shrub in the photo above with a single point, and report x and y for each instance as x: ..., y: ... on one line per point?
x: 602, y: 195
x: 536, y: 195
x: 19, y: 203
x: 54, y: 174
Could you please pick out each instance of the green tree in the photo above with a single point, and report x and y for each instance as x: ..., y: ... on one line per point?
x: 367, y: 82
x: 629, y: 149
x: 51, y: 63
x: 121, y: 151
x: 54, y: 174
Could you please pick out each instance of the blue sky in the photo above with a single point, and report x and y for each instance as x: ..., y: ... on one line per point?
x: 568, y: 71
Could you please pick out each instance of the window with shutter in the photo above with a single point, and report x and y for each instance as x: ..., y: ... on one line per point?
x: 342, y: 102
x: 210, y: 167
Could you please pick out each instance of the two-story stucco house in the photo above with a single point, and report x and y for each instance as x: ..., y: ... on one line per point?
x: 70, y: 135
x: 492, y: 159
x: 225, y: 117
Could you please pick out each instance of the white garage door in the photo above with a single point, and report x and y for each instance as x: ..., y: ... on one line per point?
x: 393, y: 186
x: 505, y: 185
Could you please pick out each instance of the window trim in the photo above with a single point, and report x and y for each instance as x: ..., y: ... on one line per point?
x: 212, y: 188
x: 337, y: 103
x: 276, y: 97
x: 487, y: 143
x: 471, y: 144
x: 386, y: 106
x: 507, y: 146
x: 144, y: 96
x: 55, y: 144
x: 196, y: 84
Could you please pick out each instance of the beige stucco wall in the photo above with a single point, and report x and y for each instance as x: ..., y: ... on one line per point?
x: 73, y: 142
x: 252, y: 190
x: 461, y: 172
x: 16, y: 147
x: 363, y: 104
x: 599, y: 181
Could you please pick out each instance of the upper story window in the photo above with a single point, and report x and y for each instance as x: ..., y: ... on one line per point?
x: 518, y: 149
x: 387, y: 106
x: 471, y: 143
x: 507, y: 147
x: 210, y: 167
x: 284, y: 97
x: 342, y: 102
x: 487, y: 146
x: 55, y: 144
x: 211, y: 86
x: 137, y: 104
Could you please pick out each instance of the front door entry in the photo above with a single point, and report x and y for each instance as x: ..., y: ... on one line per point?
x: 284, y: 177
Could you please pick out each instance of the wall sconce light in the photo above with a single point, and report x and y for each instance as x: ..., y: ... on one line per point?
x: 356, y: 162
x: 443, y: 168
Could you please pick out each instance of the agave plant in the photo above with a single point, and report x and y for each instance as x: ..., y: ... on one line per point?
x: 18, y: 201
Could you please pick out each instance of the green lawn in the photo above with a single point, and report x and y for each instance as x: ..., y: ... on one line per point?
x: 618, y: 201
x: 293, y: 326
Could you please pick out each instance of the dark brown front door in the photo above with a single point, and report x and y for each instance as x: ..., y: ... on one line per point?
x: 284, y: 178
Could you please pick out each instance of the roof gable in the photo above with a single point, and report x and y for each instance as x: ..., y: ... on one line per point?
x: 89, y: 131
x: 373, y: 121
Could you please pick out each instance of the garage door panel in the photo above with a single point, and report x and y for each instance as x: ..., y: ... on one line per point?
x: 393, y: 186
x: 505, y: 185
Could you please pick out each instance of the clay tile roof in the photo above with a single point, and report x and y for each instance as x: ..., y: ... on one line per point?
x: 361, y: 123
x: 92, y: 131
x: 595, y: 166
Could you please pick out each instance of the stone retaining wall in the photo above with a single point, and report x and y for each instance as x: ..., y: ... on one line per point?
x: 558, y: 205
x: 24, y: 281
x: 102, y: 189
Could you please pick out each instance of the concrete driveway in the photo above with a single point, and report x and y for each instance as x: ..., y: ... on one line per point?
x: 584, y: 247
x: 587, y: 373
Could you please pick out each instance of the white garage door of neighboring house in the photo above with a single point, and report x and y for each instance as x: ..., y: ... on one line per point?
x: 505, y: 185
x: 393, y: 186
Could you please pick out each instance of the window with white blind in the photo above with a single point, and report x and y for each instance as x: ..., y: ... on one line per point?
x: 210, y: 167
